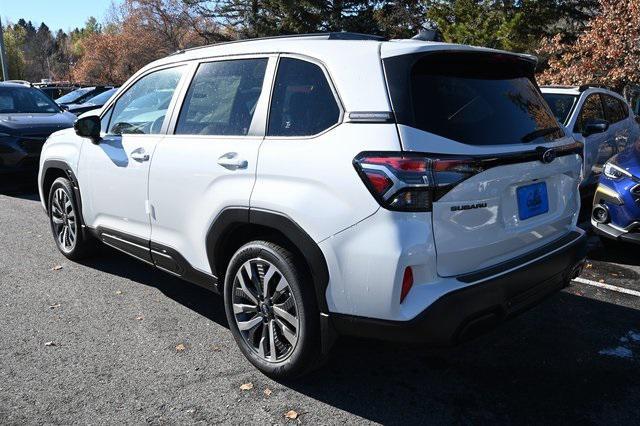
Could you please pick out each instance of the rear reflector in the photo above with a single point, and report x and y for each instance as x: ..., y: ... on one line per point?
x: 407, y: 283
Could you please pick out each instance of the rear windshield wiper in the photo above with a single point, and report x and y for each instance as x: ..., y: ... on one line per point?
x: 539, y: 133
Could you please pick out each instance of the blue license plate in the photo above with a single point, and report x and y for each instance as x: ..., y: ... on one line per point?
x: 532, y: 200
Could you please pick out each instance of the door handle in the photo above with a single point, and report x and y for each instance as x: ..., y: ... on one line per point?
x: 231, y: 161
x: 140, y: 155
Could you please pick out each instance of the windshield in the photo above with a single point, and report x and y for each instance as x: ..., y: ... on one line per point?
x: 74, y: 96
x: 561, y: 105
x: 102, y: 98
x: 25, y: 100
x: 475, y: 99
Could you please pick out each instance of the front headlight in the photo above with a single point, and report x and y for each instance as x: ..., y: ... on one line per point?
x: 615, y: 172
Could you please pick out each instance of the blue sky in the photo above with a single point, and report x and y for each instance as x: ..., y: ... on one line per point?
x: 57, y: 14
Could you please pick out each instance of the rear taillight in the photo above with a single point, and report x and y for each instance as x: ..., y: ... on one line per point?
x: 412, y: 182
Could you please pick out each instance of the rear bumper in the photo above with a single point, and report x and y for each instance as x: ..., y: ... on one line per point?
x: 493, y: 296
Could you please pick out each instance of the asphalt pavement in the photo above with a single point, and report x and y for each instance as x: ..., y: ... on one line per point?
x: 111, y: 340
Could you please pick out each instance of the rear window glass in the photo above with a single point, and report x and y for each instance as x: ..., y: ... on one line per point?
x: 561, y: 105
x: 475, y: 99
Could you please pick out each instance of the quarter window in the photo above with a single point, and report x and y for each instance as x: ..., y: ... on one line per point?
x: 143, y: 107
x: 303, y: 103
x: 591, y: 109
x: 222, y: 98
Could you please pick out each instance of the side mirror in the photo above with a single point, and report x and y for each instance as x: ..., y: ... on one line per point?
x: 88, y: 127
x: 64, y: 107
x: 595, y: 125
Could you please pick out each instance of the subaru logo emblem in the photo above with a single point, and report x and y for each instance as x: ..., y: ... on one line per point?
x: 548, y: 156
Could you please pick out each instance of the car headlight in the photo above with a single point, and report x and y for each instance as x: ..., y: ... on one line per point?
x: 615, y: 172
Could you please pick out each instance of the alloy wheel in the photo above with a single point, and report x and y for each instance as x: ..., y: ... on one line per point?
x: 63, y: 218
x: 265, y: 310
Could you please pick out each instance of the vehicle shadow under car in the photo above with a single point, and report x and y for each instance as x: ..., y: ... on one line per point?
x: 544, y: 366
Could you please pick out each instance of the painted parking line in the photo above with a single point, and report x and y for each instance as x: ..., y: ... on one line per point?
x: 607, y: 286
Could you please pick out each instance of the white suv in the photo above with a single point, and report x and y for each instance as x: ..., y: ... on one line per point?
x: 329, y: 184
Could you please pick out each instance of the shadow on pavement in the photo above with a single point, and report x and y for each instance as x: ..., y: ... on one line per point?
x: 198, y: 299
x: 617, y: 252
x: 26, y: 190
x: 542, y: 367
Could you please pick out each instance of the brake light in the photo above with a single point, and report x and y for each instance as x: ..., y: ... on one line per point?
x: 412, y: 182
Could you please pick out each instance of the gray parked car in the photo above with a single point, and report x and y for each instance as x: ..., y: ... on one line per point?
x: 599, y: 118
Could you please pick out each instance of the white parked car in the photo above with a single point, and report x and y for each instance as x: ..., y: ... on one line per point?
x: 599, y: 118
x: 330, y: 184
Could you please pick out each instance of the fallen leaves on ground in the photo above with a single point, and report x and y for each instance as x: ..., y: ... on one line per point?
x: 291, y: 414
x: 140, y: 317
x: 246, y: 386
x: 267, y: 392
x: 57, y: 268
x: 50, y: 344
x: 181, y: 347
x: 588, y: 266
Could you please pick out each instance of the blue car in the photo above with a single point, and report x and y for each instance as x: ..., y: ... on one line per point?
x: 616, y: 205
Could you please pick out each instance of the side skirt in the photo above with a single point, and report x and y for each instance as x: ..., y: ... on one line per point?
x: 162, y: 257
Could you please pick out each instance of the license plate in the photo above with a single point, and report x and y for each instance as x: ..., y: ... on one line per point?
x: 532, y: 200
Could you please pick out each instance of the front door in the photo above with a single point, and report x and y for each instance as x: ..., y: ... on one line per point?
x: 597, y: 147
x: 114, y: 173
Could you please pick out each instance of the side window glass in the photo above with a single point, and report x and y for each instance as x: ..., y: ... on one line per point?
x: 142, y: 108
x: 611, y: 109
x: 303, y: 103
x: 591, y: 109
x: 222, y: 98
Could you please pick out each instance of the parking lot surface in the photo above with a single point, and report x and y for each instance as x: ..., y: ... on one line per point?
x: 111, y: 340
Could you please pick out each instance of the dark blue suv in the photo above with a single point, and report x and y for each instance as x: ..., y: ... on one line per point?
x: 616, y: 205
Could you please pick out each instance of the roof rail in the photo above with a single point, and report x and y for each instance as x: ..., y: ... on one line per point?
x: 21, y: 82
x: 319, y: 36
x: 584, y: 87
x: 559, y: 86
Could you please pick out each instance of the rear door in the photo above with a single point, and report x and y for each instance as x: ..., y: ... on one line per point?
x: 505, y: 173
x: 207, y: 162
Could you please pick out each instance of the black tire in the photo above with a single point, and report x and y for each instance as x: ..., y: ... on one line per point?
x: 81, y: 245
x: 305, y: 355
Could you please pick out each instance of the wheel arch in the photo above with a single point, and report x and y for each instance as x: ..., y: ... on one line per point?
x: 235, y: 226
x: 53, y: 169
